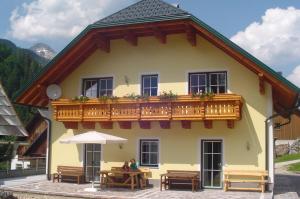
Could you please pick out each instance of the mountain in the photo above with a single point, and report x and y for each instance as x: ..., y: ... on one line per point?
x: 17, y: 67
x: 43, y: 50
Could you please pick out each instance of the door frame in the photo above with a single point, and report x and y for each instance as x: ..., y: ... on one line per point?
x: 222, y: 160
x: 84, y: 158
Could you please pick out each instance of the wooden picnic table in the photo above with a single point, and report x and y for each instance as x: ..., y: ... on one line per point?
x: 167, y: 178
x: 130, y: 178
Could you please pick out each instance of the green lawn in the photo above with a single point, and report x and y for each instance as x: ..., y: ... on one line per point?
x: 294, y: 167
x: 3, y: 166
x: 288, y: 157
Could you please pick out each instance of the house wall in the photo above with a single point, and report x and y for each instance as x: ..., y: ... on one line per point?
x: 244, y: 146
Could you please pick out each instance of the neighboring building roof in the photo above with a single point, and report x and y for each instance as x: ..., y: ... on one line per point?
x: 10, y: 123
x: 38, y: 143
x: 142, y: 18
x: 143, y: 10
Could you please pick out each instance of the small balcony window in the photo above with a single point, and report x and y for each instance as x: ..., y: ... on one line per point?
x: 149, y: 85
x: 96, y: 87
x: 215, y: 82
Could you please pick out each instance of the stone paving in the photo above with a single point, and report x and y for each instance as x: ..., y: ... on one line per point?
x: 61, y: 190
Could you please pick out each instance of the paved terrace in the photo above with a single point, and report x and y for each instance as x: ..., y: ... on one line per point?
x: 64, y: 190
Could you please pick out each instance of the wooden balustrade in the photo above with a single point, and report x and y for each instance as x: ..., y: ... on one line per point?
x: 186, y: 108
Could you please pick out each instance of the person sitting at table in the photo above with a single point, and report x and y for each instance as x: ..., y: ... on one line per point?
x: 133, y: 165
x: 126, y: 168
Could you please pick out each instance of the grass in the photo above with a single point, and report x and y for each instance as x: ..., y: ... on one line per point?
x: 3, y: 165
x: 294, y: 167
x: 288, y: 157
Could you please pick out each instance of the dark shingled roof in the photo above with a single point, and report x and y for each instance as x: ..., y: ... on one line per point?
x: 143, y: 9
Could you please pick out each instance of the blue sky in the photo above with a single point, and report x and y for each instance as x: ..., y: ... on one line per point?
x: 56, y: 22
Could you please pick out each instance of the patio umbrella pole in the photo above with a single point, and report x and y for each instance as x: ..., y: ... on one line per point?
x: 93, y: 137
x: 92, y: 189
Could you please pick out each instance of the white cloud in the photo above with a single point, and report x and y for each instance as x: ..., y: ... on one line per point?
x: 50, y: 19
x: 275, y: 39
x: 295, y: 76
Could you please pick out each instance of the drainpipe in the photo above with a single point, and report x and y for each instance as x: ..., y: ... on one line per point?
x: 269, y: 119
x: 48, y: 158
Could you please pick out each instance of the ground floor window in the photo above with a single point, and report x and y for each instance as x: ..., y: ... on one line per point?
x: 149, y: 152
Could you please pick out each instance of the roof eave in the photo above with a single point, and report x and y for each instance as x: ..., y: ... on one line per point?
x: 246, y: 54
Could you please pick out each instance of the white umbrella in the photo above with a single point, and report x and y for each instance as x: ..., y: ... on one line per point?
x: 93, y: 137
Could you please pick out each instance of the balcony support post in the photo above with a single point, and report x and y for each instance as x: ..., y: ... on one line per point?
x: 106, y: 125
x: 71, y: 125
x: 208, y: 124
x: 230, y: 124
x: 145, y: 124
x: 124, y: 124
x: 165, y: 124
x: 88, y: 125
x: 186, y: 124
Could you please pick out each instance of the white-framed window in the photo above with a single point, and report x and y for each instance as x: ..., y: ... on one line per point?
x: 149, y: 85
x: 95, y: 87
x: 149, y: 152
x: 215, y: 82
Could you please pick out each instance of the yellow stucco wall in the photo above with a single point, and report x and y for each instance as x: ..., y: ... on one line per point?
x: 244, y: 146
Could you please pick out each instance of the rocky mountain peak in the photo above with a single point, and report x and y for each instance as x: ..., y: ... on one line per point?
x: 43, y: 50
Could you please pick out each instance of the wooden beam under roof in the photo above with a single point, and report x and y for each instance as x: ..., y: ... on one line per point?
x: 160, y: 35
x: 131, y: 38
x: 102, y: 42
x: 191, y: 35
x: 261, y: 80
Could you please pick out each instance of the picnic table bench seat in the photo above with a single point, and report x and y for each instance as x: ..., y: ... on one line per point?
x: 180, y: 177
x: 72, y: 173
x: 245, y: 176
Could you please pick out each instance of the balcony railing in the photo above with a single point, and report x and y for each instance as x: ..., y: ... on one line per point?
x: 186, y: 107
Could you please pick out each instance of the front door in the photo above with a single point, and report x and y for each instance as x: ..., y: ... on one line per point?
x: 92, y: 161
x: 211, y: 163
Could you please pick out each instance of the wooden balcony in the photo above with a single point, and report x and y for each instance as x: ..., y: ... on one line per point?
x: 185, y: 108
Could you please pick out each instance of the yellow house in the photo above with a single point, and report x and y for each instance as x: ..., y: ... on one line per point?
x: 184, y: 96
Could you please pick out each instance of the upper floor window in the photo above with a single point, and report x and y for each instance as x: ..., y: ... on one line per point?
x: 215, y: 82
x: 96, y: 87
x: 149, y: 85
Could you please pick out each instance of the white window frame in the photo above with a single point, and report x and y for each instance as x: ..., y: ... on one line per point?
x: 141, y: 152
x: 207, y: 80
x: 150, y: 87
x: 98, y: 79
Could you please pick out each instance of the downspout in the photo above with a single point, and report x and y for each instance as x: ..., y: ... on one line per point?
x: 49, y: 130
x: 290, y: 112
x: 49, y: 147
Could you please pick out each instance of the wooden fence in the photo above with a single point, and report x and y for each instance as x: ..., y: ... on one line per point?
x: 290, y: 131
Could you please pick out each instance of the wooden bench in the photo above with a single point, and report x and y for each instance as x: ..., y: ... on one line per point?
x: 180, y: 177
x: 77, y: 173
x: 245, y: 176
